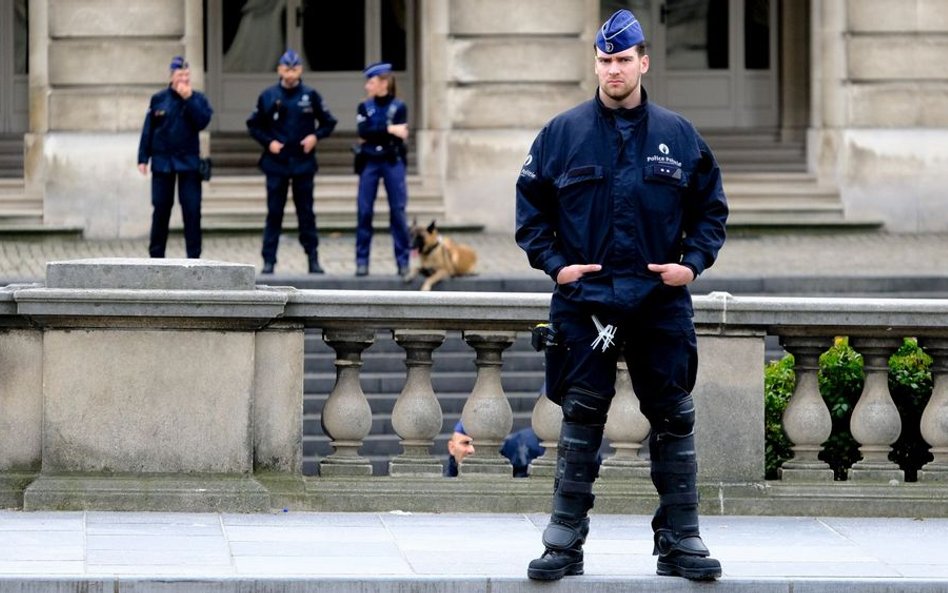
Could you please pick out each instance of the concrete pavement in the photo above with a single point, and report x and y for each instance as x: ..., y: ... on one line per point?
x: 397, y: 551
x: 747, y: 260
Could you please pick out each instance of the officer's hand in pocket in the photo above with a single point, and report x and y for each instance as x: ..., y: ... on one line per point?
x: 575, y: 272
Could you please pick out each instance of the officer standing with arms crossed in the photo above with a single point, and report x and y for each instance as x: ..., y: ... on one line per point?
x: 620, y: 202
x: 289, y: 119
x: 382, y: 121
x: 170, y: 141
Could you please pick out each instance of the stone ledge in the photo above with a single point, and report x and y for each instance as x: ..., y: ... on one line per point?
x: 179, y: 493
x: 149, y: 274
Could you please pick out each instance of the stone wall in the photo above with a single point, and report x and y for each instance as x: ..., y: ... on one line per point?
x: 881, y: 109
x: 497, y: 72
x: 93, y: 66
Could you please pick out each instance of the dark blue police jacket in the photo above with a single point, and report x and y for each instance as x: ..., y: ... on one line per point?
x: 623, y: 193
x: 288, y: 116
x: 372, y: 120
x: 170, y: 134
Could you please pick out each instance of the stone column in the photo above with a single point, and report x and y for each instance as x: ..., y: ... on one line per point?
x: 278, y: 399
x: 806, y: 420
x: 347, y: 417
x: 875, y: 423
x: 487, y: 415
x: 21, y: 402
x: 547, y: 420
x: 417, y: 414
x: 626, y: 428
x: 935, y: 417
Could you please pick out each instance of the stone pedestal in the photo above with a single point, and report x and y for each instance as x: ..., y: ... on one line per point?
x: 149, y: 382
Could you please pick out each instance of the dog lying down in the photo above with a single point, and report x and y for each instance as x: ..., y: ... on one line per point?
x: 438, y: 256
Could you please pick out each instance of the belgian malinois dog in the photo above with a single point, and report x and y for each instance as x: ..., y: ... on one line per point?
x: 438, y: 256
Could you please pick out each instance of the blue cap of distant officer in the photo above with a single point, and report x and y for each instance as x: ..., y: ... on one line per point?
x: 377, y: 69
x: 291, y: 59
x: 619, y: 33
x: 458, y: 427
x: 178, y: 63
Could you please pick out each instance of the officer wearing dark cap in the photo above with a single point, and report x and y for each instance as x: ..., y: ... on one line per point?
x: 170, y: 141
x: 382, y: 121
x: 289, y: 119
x: 620, y: 202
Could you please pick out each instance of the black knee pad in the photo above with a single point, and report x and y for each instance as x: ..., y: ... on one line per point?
x: 581, y: 406
x: 679, y: 419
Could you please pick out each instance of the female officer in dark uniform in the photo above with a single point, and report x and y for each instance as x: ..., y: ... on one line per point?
x: 170, y: 140
x: 289, y: 119
x: 382, y: 121
x: 620, y: 201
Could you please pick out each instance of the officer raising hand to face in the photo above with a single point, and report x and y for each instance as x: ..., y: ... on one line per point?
x: 170, y: 141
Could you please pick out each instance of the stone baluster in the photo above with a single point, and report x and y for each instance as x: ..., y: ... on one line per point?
x: 806, y: 420
x: 626, y: 428
x: 875, y: 423
x: 347, y: 417
x: 547, y: 419
x: 934, y: 423
x: 487, y: 415
x: 417, y: 417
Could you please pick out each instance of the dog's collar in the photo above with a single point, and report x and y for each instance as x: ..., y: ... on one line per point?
x: 428, y: 250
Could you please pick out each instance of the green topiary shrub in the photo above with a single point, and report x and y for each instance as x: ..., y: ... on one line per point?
x: 841, y: 378
x: 910, y: 383
x: 779, y: 382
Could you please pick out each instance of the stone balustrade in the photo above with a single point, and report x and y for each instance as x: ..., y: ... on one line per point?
x: 177, y: 384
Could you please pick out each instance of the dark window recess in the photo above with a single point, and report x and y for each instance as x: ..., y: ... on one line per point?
x: 334, y: 35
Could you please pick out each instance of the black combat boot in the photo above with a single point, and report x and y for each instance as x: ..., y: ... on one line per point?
x: 314, y: 267
x: 678, y: 544
x: 577, y: 466
x: 564, y: 552
x: 267, y: 267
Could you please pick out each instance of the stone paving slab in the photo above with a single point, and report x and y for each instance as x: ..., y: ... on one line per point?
x: 397, y: 551
x: 744, y: 256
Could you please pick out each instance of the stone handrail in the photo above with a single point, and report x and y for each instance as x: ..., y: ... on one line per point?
x: 119, y: 392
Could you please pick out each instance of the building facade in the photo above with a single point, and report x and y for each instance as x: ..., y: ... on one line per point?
x: 861, y: 84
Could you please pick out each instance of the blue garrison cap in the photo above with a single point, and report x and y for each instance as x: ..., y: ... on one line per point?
x: 619, y: 33
x: 291, y: 59
x: 458, y: 427
x: 377, y: 69
x: 178, y: 63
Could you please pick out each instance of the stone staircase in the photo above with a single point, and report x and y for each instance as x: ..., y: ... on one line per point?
x: 11, y: 156
x: 768, y: 187
x: 239, y: 203
x: 382, y: 379
x: 235, y: 199
x: 16, y: 210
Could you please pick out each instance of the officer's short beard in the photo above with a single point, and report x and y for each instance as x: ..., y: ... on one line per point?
x: 619, y: 95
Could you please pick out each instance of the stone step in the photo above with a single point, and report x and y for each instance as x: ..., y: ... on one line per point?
x: 239, y: 203
x: 11, y: 156
x: 453, y: 375
x: 237, y: 154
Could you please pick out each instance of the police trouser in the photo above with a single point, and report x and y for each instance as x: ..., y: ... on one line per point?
x: 162, y: 200
x: 392, y: 174
x: 662, y: 358
x: 277, y: 188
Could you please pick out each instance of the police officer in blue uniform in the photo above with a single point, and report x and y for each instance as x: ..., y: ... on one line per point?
x: 170, y: 141
x: 382, y: 121
x: 289, y: 119
x: 620, y: 202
